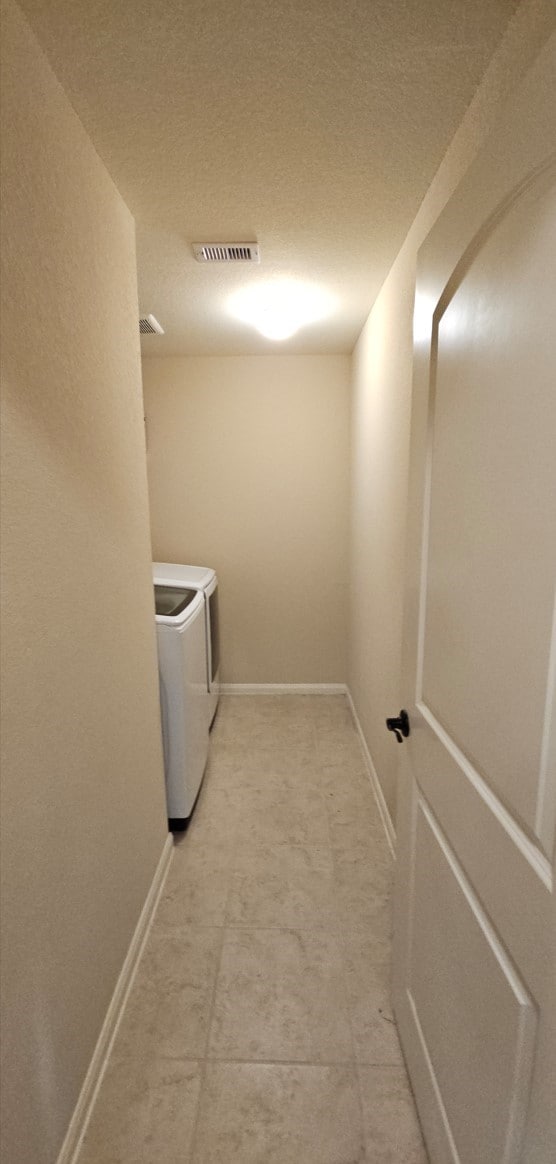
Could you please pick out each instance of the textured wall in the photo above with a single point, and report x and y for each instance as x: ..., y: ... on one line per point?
x: 381, y: 411
x: 82, y: 786
x: 381, y: 370
x: 248, y: 472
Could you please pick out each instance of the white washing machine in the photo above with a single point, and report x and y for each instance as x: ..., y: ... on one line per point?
x: 203, y: 579
x: 181, y: 642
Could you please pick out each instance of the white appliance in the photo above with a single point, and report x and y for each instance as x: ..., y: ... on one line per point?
x: 203, y: 579
x: 180, y: 634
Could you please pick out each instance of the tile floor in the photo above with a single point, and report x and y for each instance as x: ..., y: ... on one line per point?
x: 259, y: 1028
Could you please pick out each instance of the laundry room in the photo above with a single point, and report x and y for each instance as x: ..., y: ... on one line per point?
x: 278, y: 423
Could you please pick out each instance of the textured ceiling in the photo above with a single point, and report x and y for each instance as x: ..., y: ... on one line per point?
x: 312, y: 126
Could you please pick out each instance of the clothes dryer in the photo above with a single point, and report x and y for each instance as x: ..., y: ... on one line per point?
x: 180, y: 634
x: 203, y: 579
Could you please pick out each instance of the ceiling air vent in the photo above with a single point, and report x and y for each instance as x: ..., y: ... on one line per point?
x: 227, y: 252
x: 148, y: 325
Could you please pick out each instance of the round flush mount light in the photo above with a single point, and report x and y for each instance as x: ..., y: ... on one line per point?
x: 276, y: 325
x: 279, y: 309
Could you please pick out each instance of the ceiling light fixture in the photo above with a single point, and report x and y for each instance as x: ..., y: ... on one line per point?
x: 279, y: 309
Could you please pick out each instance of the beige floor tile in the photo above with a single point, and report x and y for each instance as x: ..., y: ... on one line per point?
x: 213, y: 822
x: 337, y: 775
x: 269, y: 730
x: 280, y: 731
x: 349, y: 791
x: 365, y: 865
x: 364, y: 898
x: 197, y: 886
x: 221, y: 765
x: 375, y: 1036
x: 221, y: 722
x: 282, y: 815
x: 348, y: 771
x: 331, y: 710
x: 280, y: 995
x: 337, y: 725
x: 283, y: 886
x: 234, y: 765
x: 168, y: 1011
x: 354, y: 818
x: 247, y: 707
x: 265, y: 708
x: 360, y: 833
x: 271, y: 1114
x: 271, y: 942
x: 392, y: 1131
x: 340, y: 745
x: 363, y: 877
x: 144, y: 1114
x: 267, y: 736
x: 261, y: 736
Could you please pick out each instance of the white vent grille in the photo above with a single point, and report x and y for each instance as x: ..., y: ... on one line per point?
x: 227, y: 252
x: 148, y: 325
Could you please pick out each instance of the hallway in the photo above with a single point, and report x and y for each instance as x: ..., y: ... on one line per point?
x: 259, y: 1028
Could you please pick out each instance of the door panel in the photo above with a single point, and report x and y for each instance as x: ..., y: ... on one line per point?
x: 512, y: 878
x: 477, y: 979
x: 491, y: 538
x: 474, y: 946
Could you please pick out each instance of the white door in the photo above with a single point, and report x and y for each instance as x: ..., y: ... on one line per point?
x: 474, y: 947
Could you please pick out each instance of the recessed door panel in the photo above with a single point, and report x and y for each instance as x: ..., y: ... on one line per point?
x: 492, y: 540
x: 476, y: 1017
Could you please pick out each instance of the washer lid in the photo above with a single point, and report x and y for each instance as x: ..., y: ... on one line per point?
x: 171, y: 601
x: 174, y: 574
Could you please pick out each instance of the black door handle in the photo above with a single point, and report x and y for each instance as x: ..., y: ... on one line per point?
x: 399, y: 725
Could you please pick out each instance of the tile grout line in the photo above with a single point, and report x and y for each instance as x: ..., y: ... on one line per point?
x: 293, y: 928
x: 205, y: 1060
x: 304, y: 1062
x: 351, y: 1020
x: 341, y: 948
x: 359, y: 1085
x: 321, y: 1063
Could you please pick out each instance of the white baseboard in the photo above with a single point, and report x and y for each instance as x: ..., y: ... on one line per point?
x: 78, y: 1124
x: 375, y: 782
x: 283, y: 688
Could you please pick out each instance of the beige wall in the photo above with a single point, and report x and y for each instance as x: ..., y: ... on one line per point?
x: 247, y: 462
x: 381, y: 370
x: 381, y: 413
x: 82, y: 789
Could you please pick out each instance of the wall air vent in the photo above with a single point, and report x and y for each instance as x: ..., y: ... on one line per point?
x: 148, y: 325
x: 227, y: 252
